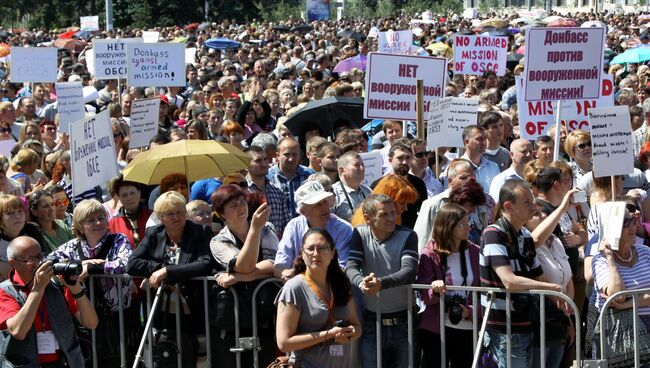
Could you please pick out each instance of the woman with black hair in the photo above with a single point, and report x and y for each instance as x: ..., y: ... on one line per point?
x: 317, y: 319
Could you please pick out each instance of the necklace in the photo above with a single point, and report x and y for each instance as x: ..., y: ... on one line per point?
x: 626, y: 260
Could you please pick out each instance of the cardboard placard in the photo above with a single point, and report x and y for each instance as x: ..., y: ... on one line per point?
x: 92, y: 153
x: 144, y: 121
x: 611, y: 141
x: 563, y: 63
x: 33, y: 64
x: 395, y: 42
x: 372, y: 162
x: 156, y: 64
x: 390, y: 85
x: 447, y: 119
x: 474, y: 55
x: 610, y: 223
x: 89, y: 23
x: 109, y: 57
x: 150, y: 36
x: 71, y: 107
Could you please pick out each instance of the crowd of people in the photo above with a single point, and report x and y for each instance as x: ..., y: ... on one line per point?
x: 497, y: 212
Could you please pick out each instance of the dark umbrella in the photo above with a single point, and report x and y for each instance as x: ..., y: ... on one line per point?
x: 328, y: 114
x: 221, y: 43
x: 346, y: 33
x: 203, y: 26
x: 281, y: 28
x: 512, y: 60
x: 301, y: 28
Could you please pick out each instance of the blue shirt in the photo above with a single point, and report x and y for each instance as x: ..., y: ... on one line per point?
x: 485, y: 172
x: 203, y: 189
x: 289, y: 185
x: 289, y: 246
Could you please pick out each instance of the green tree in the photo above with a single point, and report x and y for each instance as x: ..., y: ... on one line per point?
x: 385, y: 8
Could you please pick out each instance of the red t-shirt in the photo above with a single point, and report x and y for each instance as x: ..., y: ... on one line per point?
x: 9, y: 307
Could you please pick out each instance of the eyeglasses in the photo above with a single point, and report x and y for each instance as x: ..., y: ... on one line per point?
x: 31, y: 259
x: 5, y: 130
x: 321, y: 249
x: 50, y: 129
x: 62, y: 202
x: 584, y: 145
x: 178, y: 213
x: 422, y: 154
x: 628, y: 221
x: 202, y: 214
x: 631, y: 208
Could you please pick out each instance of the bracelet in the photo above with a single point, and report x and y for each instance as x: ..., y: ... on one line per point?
x: 79, y: 295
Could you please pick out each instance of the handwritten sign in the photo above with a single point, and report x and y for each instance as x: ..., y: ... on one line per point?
x: 33, y: 64
x: 390, y: 83
x: 563, y: 63
x: 92, y: 151
x: 160, y: 64
x: 474, y: 55
x: 535, y: 117
x: 70, y: 98
x: 447, y: 119
x: 144, y: 121
x: 373, y: 164
x: 109, y: 57
x: 89, y: 23
x: 610, y: 222
x: 150, y: 36
x: 398, y: 43
x: 611, y: 141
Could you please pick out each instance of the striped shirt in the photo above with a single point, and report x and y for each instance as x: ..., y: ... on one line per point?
x: 496, y: 251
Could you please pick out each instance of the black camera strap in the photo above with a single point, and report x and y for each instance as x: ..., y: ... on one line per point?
x: 463, y: 266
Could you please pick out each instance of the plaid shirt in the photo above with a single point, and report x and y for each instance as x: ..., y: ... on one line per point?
x: 289, y: 185
x: 280, y: 214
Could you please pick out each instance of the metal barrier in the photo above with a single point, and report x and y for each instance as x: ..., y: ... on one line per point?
x: 478, y: 340
x: 635, y: 294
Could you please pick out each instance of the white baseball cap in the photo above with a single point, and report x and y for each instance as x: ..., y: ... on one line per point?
x: 310, y: 192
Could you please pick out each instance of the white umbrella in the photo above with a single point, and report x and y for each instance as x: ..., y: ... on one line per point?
x: 552, y: 18
x: 593, y: 23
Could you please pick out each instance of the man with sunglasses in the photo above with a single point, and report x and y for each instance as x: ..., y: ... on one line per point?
x: 37, y: 312
x: 421, y: 169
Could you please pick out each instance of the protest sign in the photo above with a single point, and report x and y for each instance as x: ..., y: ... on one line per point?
x: 318, y: 10
x: 610, y: 223
x: 563, y: 63
x: 33, y: 64
x: 144, y: 121
x: 611, y: 141
x: 372, y: 161
x: 447, y: 118
x: 390, y: 84
x: 160, y: 64
x: 398, y: 43
x: 474, y: 55
x: 92, y: 152
x: 190, y: 55
x: 150, y: 36
x: 535, y: 117
x: 70, y: 100
x: 90, y: 23
x: 6, y: 146
x: 109, y: 57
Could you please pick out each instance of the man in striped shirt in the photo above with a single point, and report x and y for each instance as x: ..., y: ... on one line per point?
x: 508, y: 260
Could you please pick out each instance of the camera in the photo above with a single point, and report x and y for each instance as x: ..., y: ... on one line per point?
x: 453, y: 305
x: 65, y: 269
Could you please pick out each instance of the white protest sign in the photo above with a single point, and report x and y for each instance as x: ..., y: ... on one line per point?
x: 536, y: 117
x: 563, y: 63
x: 150, y: 36
x: 447, y: 119
x: 92, y: 151
x: 392, y: 42
x: 372, y: 162
x: 610, y: 222
x: 89, y: 23
x: 109, y: 57
x: 33, y: 64
x: 90, y: 61
x: 611, y: 141
x: 190, y: 54
x: 70, y: 100
x: 159, y: 64
x: 144, y: 121
x: 390, y: 84
x: 6, y: 145
x: 474, y: 55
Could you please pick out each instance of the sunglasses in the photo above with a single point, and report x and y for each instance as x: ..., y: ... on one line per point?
x: 61, y: 202
x: 422, y: 154
x: 628, y: 221
x: 631, y: 208
x: 584, y: 145
x: 50, y: 129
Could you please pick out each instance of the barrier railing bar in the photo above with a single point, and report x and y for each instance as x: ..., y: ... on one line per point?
x: 635, y: 328
x: 443, y: 332
x: 93, y: 334
x: 206, y: 315
x: 378, y: 324
x: 508, y: 330
x: 479, y: 343
x: 409, y: 324
x: 474, y: 317
x: 150, y: 332
x: 148, y: 328
x: 256, y: 357
x: 179, y: 311
x: 120, y: 317
x: 542, y: 330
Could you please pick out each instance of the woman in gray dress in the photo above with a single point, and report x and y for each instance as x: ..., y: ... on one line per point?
x: 317, y: 319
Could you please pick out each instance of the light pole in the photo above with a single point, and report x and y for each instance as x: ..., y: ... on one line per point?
x: 109, y: 15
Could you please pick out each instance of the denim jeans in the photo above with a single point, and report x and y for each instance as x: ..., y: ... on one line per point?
x: 394, y: 344
x: 554, y: 354
x: 521, y: 345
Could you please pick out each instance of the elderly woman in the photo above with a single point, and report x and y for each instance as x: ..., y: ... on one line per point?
x: 101, y: 253
x: 23, y: 165
x: 12, y: 225
x: 578, y: 147
x: 170, y: 253
x: 176, y: 182
x: 42, y: 210
x: 245, y: 251
x: 200, y: 212
x: 132, y: 217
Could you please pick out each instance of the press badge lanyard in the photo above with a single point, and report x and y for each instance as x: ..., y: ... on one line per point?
x: 316, y: 290
x: 347, y: 197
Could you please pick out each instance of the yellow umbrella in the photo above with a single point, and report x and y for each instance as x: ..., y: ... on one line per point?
x: 442, y: 49
x: 198, y: 159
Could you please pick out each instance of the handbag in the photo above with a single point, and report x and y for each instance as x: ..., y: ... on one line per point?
x: 282, y: 362
x: 619, y: 338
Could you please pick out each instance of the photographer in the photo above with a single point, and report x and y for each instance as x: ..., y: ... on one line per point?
x: 448, y: 259
x: 32, y: 311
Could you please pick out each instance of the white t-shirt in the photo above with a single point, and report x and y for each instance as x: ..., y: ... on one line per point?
x: 454, y: 276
